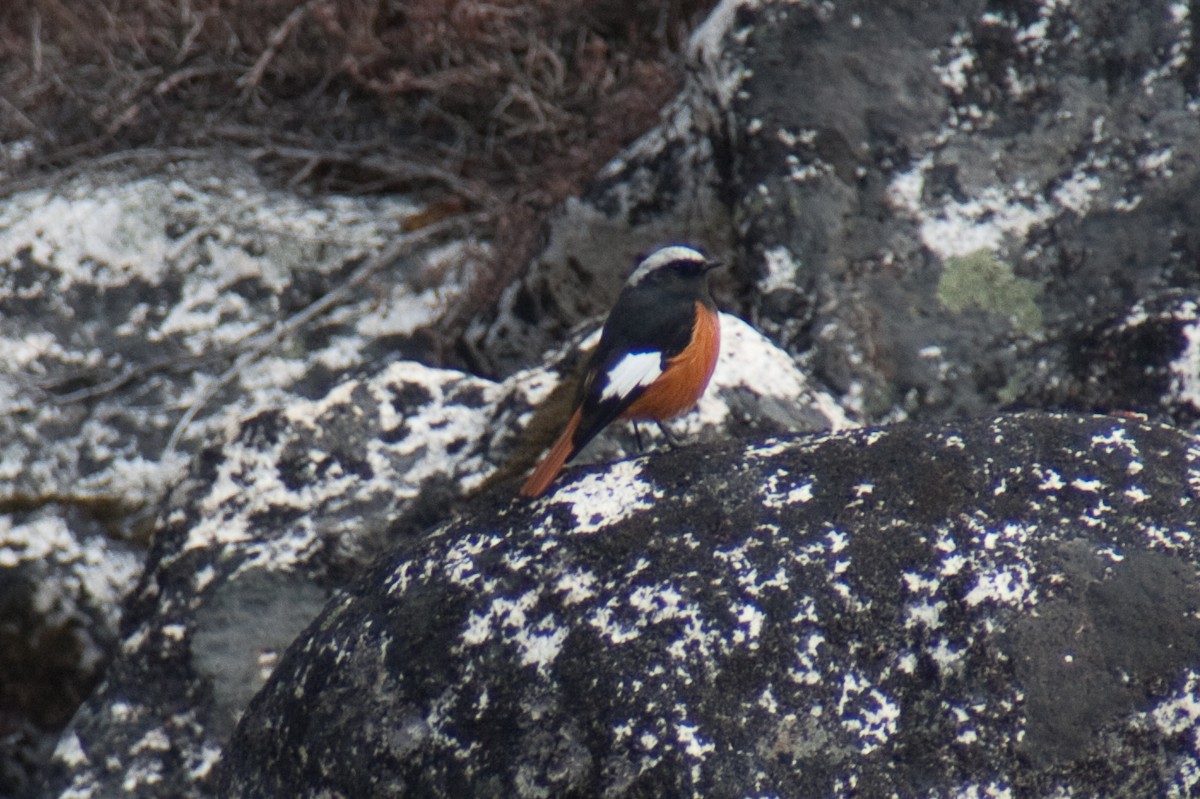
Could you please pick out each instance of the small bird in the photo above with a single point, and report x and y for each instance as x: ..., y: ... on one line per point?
x: 656, y: 354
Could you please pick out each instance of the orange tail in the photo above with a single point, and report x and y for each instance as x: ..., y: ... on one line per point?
x: 549, y: 468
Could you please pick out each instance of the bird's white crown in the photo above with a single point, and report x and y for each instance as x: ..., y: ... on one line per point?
x: 663, y: 256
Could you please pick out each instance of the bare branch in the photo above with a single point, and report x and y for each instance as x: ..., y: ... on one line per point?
x: 249, y: 82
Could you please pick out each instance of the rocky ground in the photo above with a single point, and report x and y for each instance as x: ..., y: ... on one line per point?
x: 224, y: 400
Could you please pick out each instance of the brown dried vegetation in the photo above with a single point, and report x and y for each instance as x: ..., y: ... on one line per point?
x: 500, y: 106
x: 508, y: 98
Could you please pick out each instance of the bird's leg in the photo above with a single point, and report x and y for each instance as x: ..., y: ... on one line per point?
x: 672, y: 442
x: 637, y: 436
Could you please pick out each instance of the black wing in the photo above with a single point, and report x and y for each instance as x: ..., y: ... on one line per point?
x: 641, y: 321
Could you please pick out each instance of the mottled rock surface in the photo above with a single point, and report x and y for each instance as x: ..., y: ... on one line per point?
x: 260, y: 532
x: 1146, y: 359
x: 938, y: 209
x: 999, y: 607
x: 141, y: 316
x: 927, y: 201
x: 297, y: 503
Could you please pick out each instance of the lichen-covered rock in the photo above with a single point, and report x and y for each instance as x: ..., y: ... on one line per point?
x: 918, y: 196
x: 295, y: 504
x: 1006, y: 606
x: 62, y: 576
x: 137, y: 323
x: 123, y: 301
x: 261, y: 530
x: 938, y: 208
x: 928, y: 192
x: 1145, y: 360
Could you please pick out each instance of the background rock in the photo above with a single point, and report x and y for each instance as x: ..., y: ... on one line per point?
x: 949, y: 610
x: 128, y: 308
x: 929, y: 192
x: 1147, y: 359
x: 668, y: 186
x: 927, y: 200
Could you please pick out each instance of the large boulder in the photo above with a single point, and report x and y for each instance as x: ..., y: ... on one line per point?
x: 965, y: 609
x: 295, y: 504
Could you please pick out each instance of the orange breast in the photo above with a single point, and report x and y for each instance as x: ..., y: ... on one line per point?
x: 687, y: 374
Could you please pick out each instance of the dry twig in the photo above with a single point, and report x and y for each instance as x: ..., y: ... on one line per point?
x: 249, y: 81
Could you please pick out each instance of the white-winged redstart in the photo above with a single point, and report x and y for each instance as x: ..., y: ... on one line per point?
x: 656, y: 354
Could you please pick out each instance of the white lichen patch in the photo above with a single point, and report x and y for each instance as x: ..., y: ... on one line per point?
x: 84, y: 574
x: 781, y: 489
x: 1180, y: 712
x: 76, y: 229
x: 1185, y: 369
x: 1051, y: 480
x: 739, y: 560
x: 924, y: 614
x: 865, y: 711
x: 224, y: 512
x: 155, y: 740
x: 1114, y: 441
x: 781, y: 271
x: 605, y: 622
x: 1004, y: 586
x: 955, y: 68
x: 576, y: 586
x: 947, y: 656
x: 692, y: 743
x: 769, y: 448
x: 69, y: 751
x: 458, y: 564
x: 602, y: 499
x: 440, y: 437
x: 202, y: 764
x: 806, y: 669
x: 749, y: 625
x: 985, y: 222
x: 997, y: 561
x: 1136, y: 495
x: 1178, y: 715
x: 994, y: 790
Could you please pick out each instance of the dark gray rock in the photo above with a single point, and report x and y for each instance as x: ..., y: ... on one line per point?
x: 929, y: 192
x: 1146, y: 361
x: 920, y: 197
x: 1004, y: 607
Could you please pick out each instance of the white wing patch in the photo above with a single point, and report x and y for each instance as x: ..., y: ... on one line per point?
x: 633, y: 371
